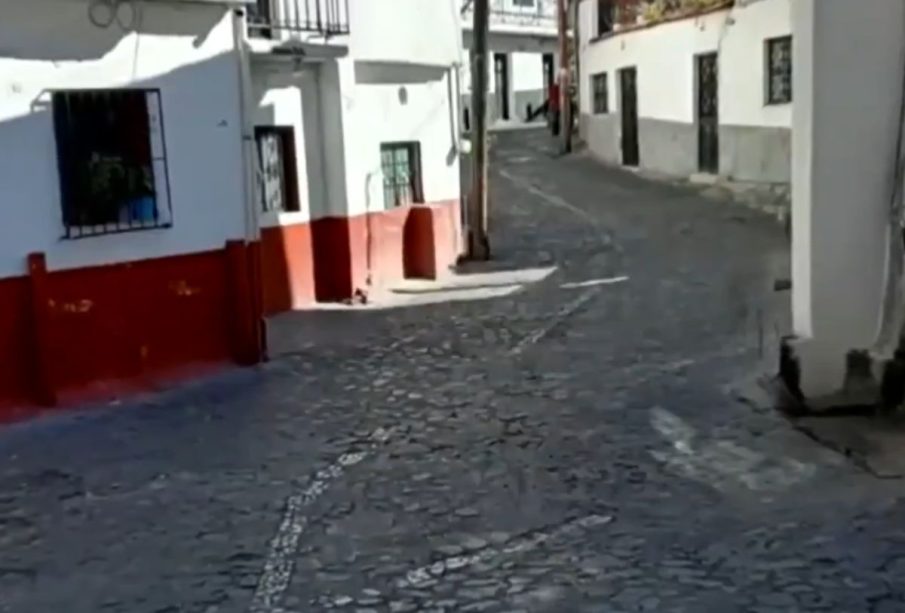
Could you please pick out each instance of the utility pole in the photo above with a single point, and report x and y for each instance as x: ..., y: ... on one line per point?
x: 565, y: 95
x: 478, y: 240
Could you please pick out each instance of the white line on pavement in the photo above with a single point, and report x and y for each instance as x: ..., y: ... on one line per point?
x: 594, y: 282
x: 279, y: 565
x: 420, y: 576
x: 425, y: 575
x: 548, y: 197
x: 564, y: 313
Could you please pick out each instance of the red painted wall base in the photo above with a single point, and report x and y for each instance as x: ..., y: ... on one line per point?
x: 101, y: 330
x: 355, y: 254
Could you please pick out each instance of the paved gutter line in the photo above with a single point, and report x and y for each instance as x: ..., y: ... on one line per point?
x: 279, y: 565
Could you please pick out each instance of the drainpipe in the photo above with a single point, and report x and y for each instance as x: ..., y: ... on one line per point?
x: 249, y: 190
x: 249, y: 175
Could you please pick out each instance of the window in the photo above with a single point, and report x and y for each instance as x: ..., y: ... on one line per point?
x: 260, y: 17
x: 779, y: 70
x: 112, y: 161
x: 600, y: 92
x: 401, y: 165
x: 605, y: 13
x: 279, y: 177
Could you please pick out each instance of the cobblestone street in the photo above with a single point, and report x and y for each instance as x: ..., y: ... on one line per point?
x: 581, y: 444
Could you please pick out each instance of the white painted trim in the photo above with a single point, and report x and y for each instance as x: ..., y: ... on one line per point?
x: 275, y: 219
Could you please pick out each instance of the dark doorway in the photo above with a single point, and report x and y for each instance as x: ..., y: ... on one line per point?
x: 501, y: 70
x: 628, y: 106
x: 548, y: 73
x: 708, y: 117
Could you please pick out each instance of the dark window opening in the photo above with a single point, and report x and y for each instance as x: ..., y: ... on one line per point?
x: 779, y: 70
x: 401, y: 165
x: 111, y: 157
x: 260, y: 17
x: 600, y: 91
x: 605, y: 16
x: 278, y: 167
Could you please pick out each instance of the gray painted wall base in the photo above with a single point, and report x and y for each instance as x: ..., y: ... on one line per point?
x: 755, y: 163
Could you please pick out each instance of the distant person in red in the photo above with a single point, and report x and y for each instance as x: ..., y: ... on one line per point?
x: 553, y: 108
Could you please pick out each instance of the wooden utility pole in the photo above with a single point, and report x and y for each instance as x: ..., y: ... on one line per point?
x: 565, y: 73
x: 478, y: 240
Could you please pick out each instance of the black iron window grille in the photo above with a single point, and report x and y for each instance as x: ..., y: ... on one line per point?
x: 111, y: 156
x: 401, y: 166
x: 600, y: 91
x: 278, y: 174
x: 779, y: 70
x: 266, y: 18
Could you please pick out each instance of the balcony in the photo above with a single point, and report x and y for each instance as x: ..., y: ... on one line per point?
x: 516, y: 14
x: 291, y: 19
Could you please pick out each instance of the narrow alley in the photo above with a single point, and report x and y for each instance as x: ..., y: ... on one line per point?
x: 579, y: 442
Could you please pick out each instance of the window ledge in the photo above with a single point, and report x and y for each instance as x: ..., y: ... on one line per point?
x: 275, y: 219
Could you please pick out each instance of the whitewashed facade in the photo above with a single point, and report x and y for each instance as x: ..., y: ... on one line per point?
x: 751, y: 111
x: 353, y: 93
x: 523, y: 57
x: 847, y: 259
x: 56, y: 45
x: 174, y: 170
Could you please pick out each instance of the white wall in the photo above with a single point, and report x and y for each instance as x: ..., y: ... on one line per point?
x: 184, y: 49
x: 415, y: 31
x: 664, y: 56
x: 282, y: 96
x: 384, y: 111
x: 527, y: 71
x: 848, y: 88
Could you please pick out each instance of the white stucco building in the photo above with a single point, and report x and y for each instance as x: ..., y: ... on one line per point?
x: 847, y: 262
x: 120, y: 134
x: 523, y: 56
x: 174, y: 170
x: 355, y: 115
x: 684, y: 88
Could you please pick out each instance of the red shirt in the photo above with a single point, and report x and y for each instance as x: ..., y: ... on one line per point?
x: 554, y: 97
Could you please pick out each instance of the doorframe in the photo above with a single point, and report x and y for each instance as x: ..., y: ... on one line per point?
x: 621, y: 72
x: 696, y: 87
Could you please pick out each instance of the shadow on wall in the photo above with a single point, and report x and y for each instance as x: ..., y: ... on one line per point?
x: 186, y: 303
x: 43, y: 29
x: 397, y: 73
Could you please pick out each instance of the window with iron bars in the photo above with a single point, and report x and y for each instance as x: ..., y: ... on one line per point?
x: 112, y: 161
x: 401, y: 166
x: 779, y: 70
x: 600, y: 91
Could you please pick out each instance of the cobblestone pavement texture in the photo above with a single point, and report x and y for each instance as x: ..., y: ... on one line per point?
x: 570, y: 447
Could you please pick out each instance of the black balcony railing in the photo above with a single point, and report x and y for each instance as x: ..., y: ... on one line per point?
x: 536, y: 14
x: 279, y: 18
